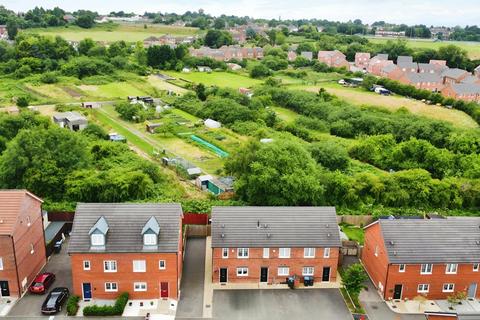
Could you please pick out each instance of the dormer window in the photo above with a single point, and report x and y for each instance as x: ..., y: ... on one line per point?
x: 150, y: 233
x: 150, y: 239
x: 98, y: 239
x: 98, y: 233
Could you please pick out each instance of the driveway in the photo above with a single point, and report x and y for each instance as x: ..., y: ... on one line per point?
x: 280, y: 304
x: 377, y: 309
x: 191, y: 288
x: 31, y: 304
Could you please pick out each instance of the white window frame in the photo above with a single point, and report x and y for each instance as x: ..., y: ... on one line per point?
x: 139, y: 286
x: 1, y: 263
x: 87, y: 265
x: 242, y: 272
x: 283, y: 271
x: 309, y: 252
x: 451, y: 268
x: 450, y: 287
x: 94, y: 238
x: 160, y: 264
x: 376, y: 251
x: 326, y: 253
x: 111, y: 285
x: 284, y: 253
x: 402, y: 267
x: 225, y: 253
x: 139, y: 266
x: 426, y: 268
x: 108, y: 265
x: 476, y: 267
x: 242, y: 253
x: 308, y: 271
x: 150, y: 239
x: 266, y: 253
x: 423, y: 288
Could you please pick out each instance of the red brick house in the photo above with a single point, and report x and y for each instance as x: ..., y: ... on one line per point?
x: 462, y: 91
x: 392, y: 72
x: 134, y: 248
x: 406, y: 258
x: 333, y: 59
x: 454, y: 75
x: 22, y: 241
x: 268, y: 244
x: 362, y: 59
x: 426, y: 81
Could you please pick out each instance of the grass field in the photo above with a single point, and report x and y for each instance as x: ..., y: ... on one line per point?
x: 285, y: 114
x: 360, y: 97
x: 221, y: 79
x: 115, y: 32
x: 472, y: 48
x: 164, y: 85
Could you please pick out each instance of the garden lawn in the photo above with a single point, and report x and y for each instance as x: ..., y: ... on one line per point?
x: 220, y: 79
x: 116, y: 90
x: 115, y: 32
x: 353, y: 233
x: 361, y: 97
x: 285, y: 114
x: 472, y: 48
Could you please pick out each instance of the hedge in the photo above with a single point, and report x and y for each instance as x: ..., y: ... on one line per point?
x: 115, y: 310
x: 72, y: 305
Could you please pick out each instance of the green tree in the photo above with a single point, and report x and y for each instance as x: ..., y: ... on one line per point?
x: 353, y: 279
x: 40, y: 159
x: 281, y: 173
x: 260, y: 71
x: 22, y: 102
x: 201, y: 91
x: 330, y: 155
x: 217, y: 38
x: 85, y: 21
x: 12, y: 29
x: 85, y: 45
x: 219, y: 24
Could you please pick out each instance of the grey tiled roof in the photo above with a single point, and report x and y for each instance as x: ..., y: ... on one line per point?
x: 466, y: 88
x: 404, y: 59
x: 125, y: 224
x: 471, y: 79
x: 453, y: 73
x: 452, y: 240
x: 288, y: 227
x: 424, y: 77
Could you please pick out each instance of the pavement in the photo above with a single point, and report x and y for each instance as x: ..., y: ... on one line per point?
x: 279, y: 305
x: 192, y: 286
x: 30, y: 304
x: 377, y: 309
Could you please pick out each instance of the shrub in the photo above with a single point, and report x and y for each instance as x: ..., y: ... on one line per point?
x: 72, y: 305
x: 115, y: 310
x: 22, y: 102
x: 49, y: 77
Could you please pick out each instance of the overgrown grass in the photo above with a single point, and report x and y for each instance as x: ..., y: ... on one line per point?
x: 353, y: 233
x: 221, y: 79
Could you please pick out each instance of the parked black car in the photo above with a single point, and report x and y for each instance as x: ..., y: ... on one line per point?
x: 54, y: 301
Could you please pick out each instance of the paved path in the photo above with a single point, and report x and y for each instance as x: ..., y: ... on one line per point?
x: 191, y: 288
x: 377, y: 309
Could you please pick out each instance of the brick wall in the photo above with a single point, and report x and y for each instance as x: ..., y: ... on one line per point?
x: 411, y: 278
x: 376, y: 265
x: 255, y: 262
x: 125, y: 277
x: 9, y: 272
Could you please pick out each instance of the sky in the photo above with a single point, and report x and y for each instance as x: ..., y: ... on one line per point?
x: 429, y: 12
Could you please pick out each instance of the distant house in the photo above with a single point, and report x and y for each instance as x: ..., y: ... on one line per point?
x: 292, y: 55
x: 91, y: 105
x: 406, y: 64
x: 3, y: 32
x: 126, y: 247
x: 362, y: 59
x: 204, y: 69
x: 307, y: 55
x: 22, y: 241
x: 264, y: 245
x: 426, y: 81
x: 115, y: 137
x: 431, y: 68
x: 71, y: 120
x: 387, y: 33
x: 69, y: 18
x: 442, y: 63
x: 334, y: 59
x: 454, y: 75
x: 391, y: 71
x: 245, y: 91
x: 462, y: 91
x: 406, y: 258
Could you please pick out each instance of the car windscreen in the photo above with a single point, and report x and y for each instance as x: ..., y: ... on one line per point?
x: 38, y: 285
x: 53, y: 298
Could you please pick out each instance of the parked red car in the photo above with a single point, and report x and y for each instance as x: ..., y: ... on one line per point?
x: 42, y: 282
